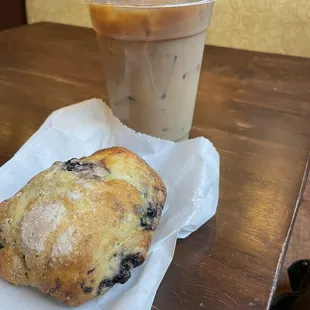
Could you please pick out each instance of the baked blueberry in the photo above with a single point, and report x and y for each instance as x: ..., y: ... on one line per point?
x: 90, y: 271
x: 86, y: 289
x: 75, y: 165
x: 149, y: 221
x: 73, y: 241
x: 56, y: 288
x: 134, y: 259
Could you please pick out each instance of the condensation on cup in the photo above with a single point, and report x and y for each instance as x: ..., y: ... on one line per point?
x: 152, y: 53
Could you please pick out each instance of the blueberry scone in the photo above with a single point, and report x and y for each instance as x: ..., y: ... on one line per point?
x: 78, y: 228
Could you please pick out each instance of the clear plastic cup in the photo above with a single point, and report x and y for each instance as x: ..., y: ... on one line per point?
x: 151, y: 53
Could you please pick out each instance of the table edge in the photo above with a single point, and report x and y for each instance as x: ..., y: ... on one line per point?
x: 289, y: 233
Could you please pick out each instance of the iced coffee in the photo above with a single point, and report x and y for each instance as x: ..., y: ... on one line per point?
x: 152, y: 58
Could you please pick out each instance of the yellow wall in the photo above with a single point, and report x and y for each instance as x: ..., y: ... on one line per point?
x: 276, y: 26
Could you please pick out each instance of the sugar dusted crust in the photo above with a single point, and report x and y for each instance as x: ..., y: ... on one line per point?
x: 79, y: 227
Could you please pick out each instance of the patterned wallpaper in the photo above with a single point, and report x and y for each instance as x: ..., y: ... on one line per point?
x: 276, y: 26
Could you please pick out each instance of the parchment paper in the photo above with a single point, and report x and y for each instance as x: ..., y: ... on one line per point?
x: 190, y: 170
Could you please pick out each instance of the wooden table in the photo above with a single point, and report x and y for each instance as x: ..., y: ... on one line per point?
x: 254, y: 107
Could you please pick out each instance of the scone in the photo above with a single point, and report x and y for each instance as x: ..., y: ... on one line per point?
x: 79, y: 227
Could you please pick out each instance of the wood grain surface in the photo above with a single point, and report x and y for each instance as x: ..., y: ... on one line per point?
x: 254, y: 108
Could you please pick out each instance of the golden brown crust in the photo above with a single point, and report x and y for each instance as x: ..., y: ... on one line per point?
x: 79, y: 227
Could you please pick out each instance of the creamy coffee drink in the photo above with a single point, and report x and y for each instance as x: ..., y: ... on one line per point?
x: 152, y: 58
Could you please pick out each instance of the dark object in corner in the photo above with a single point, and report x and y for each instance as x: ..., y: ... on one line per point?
x: 299, y: 298
x: 12, y: 14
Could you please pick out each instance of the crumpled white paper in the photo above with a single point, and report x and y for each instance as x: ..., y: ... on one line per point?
x: 190, y: 170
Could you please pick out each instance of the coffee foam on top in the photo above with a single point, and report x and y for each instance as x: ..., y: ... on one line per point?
x: 149, y: 3
x: 155, y: 23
